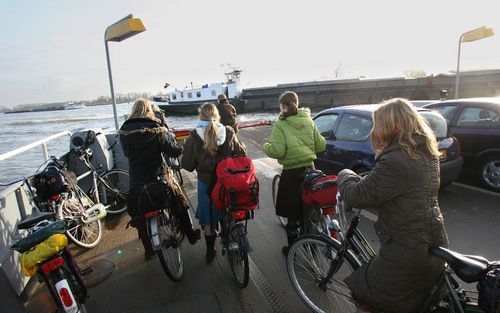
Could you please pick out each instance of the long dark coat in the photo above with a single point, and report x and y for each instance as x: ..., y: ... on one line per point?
x: 143, y: 142
x: 405, y: 191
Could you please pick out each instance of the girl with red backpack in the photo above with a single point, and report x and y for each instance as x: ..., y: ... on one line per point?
x: 295, y: 141
x: 206, y: 145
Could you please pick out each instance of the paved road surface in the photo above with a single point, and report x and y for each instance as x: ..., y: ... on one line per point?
x: 471, y: 219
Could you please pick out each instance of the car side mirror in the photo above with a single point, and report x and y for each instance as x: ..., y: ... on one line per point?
x: 327, y: 134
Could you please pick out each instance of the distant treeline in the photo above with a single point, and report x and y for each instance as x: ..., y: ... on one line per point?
x: 102, y: 100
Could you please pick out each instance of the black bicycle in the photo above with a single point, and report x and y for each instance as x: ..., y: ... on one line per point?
x: 166, y: 237
x: 318, y: 264
x: 235, y: 243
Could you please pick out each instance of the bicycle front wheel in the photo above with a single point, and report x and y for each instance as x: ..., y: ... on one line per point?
x: 170, y: 254
x: 316, y: 279
x: 276, y: 182
x: 113, y: 188
x: 84, y: 235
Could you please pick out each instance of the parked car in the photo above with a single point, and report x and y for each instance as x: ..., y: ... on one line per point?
x: 348, y: 144
x: 476, y: 124
x: 421, y: 103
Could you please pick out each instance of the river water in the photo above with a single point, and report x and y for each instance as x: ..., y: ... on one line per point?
x: 19, y: 129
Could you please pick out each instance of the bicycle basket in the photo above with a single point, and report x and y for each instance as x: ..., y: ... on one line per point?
x: 489, y: 289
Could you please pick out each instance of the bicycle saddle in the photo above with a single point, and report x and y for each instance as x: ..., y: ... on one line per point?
x: 468, y: 268
x: 35, y: 217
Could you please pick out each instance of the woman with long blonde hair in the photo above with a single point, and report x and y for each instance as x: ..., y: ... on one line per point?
x: 144, y: 139
x: 206, y: 145
x: 403, y: 186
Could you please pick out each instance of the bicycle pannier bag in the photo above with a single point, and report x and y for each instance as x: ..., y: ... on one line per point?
x: 147, y: 198
x: 489, y: 289
x: 320, y: 190
x: 236, y: 186
x: 44, y: 250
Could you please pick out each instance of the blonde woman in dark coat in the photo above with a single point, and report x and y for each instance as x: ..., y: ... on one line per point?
x: 403, y: 186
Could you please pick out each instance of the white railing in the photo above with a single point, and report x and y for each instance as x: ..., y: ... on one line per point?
x: 41, y: 142
x: 15, y: 206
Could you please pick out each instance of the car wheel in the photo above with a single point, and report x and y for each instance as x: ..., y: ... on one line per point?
x: 489, y: 173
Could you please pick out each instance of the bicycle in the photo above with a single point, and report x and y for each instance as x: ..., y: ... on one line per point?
x: 70, y: 204
x: 235, y: 243
x: 318, y: 264
x: 109, y: 187
x: 59, y: 271
x: 166, y: 237
x: 314, y: 217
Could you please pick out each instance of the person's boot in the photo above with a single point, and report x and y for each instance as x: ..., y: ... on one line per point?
x: 291, y: 236
x: 211, y: 252
x: 146, y: 241
x: 193, y: 235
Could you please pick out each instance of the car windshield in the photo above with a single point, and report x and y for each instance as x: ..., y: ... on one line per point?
x: 437, y: 123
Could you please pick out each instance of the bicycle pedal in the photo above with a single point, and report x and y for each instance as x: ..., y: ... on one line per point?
x: 86, y: 271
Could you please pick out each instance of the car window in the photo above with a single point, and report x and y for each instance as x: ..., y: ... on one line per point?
x: 478, y: 117
x: 437, y: 123
x: 354, y: 128
x: 446, y: 111
x: 325, y: 123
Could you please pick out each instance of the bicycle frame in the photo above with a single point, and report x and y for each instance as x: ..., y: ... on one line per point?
x: 95, y: 176
x: 356, y: 242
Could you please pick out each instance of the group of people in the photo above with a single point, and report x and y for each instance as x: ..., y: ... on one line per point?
x: 403, y: 186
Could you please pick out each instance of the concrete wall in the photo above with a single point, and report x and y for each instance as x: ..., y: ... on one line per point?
x: 325, y: 94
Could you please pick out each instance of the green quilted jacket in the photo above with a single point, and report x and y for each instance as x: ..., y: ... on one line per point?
x: 295, y: 140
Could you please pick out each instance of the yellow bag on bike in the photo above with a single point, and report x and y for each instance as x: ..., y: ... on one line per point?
x: 42, y: 251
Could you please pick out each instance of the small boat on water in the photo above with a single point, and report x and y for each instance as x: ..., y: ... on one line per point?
x: 73, y: 106
x: 188, y: 100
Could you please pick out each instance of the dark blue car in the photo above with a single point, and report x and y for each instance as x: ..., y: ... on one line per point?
x: 348, y: 144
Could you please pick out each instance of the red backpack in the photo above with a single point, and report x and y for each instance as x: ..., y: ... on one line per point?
x: 237, y: 186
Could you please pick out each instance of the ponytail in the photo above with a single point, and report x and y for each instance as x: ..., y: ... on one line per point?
x: 210, y: 138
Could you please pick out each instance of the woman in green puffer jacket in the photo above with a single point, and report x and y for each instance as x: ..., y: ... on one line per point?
x: 295, y: 141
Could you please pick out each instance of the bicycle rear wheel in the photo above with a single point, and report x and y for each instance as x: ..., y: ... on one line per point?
x: 276, y: 182
x: 238, y: 256
x: 84, y: 235
x: 170, y: 254
x: 113, y: 188
x: 311, y: 271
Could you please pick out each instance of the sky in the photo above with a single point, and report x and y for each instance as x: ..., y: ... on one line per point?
x: 53, y: 51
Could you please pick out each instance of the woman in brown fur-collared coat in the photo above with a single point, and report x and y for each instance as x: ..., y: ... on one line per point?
x: 403, y: 186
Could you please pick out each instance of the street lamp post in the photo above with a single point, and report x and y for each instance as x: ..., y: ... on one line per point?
x: 119, y: 31
x: 475, y: 34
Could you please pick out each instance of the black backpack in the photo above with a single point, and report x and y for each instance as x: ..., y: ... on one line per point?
x: 489, y: 289
x: 49, y: 183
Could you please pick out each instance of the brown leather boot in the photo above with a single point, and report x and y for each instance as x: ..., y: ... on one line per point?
x: 142, y: 231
